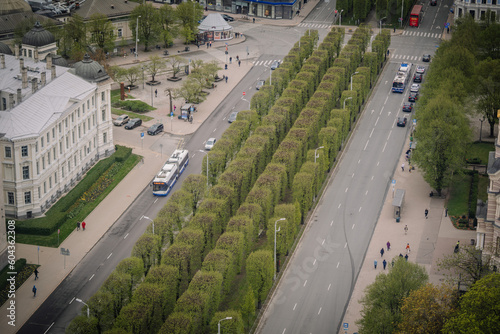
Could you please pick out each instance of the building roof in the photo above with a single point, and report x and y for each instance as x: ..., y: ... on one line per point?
x: 110, y: 8
x: 9, y: 22
x: 14, y: 6
x: 38, y: 36
x: 4, y: 48
x: 90, y: 70
x: 214, y: 22
x: 40, y: 110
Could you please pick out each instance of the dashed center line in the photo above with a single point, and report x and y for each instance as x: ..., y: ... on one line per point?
x: 383, y: 150
x: 314, y: 262
x: 294, y: 306
x: 319, y: 310
x: 366, y: 193
x: 346, y: 189
x: 91, y: 277
x: 125, y: 237
x: 305, y: 283
x: 338, y: 264
x: 376, y: 121
x: 329, y: 286
x: 339, y: 206
x: 353, y: 226
x: 359, y: 209
x: 109, y: 256
x: 371, y: 133
x: 324, y: 240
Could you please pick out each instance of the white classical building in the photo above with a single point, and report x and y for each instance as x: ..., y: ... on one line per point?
x: 478, y: 9
x: 55, y: 124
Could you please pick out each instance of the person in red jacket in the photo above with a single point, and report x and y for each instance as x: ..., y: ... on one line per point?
x: 83, y: 225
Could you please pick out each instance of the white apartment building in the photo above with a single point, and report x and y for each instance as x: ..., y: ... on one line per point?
x: 478, y: 9
x: 56, y: 124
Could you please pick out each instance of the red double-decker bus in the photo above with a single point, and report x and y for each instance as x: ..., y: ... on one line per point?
x: 416, y: 16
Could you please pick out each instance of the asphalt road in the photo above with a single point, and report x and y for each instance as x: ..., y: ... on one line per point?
x: 316, y: 287
x: 55, y: 314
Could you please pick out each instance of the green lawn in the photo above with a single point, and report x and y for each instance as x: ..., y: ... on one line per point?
x: 459, y: 195
x: 479, y: 151
x: 130, y: 114
x: 482, y: 193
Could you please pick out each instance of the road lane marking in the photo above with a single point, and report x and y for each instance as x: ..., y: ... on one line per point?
x: 72, y: 300
x: 314, y: 262
x: 371, y: 133
x: 376, y: 121
x: 346, y: 189
x: 352, y: 176
x: 283, y: 331
x: 338, y: 264
x: 359, y: 161
x: 373, y: 110
x: 366, y: 193
x: 331, y: 223
x: 329, y: 286
x: 294, y: 306
x: 91, y: 277
x: 48, y: 329
x: 324, y: 239
x: 373, y: 177
x: 382, y: 109
x: 156, y: 200
x: 386, y: 99
x: 389, y: 135
x: 378, y: 162
x: 345, y: 246
x: 125, y: 237
x: 339, y: 206
x: 383, y: 150
x: 366, y: 144
x: 109, y: 256
x: 359, y: 209
x: 319, y: 310
x: 305, y: 283
x: 353, y: 226
x: 214, y: 130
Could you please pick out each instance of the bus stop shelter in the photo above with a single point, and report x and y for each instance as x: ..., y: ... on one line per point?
x: 397, y: 203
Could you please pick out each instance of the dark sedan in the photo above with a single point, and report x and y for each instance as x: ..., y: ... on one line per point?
x: 407, y: 106
x: 155, y: 129
x: 413, y: 97
x: 401, y: 122
x: 133, y: 123
x: 426, y: 58
x: 417, y: 77
x: 227, y: 18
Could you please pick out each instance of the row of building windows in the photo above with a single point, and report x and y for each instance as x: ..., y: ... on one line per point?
x: 11, y: 200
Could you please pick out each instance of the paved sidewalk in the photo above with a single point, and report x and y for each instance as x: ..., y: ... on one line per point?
x: 430, y: 239
x: 53, y: 266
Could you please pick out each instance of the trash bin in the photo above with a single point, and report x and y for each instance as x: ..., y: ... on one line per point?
x: 398, y: 219
x: 472, y: 242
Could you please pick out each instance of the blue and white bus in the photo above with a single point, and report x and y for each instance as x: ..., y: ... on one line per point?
x: 402, y: 78
x: 167, y: 177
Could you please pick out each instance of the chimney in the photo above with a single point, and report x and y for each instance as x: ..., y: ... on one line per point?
x: 24, y: 77
x: 21, y: 63
x: 34, y: 85
x: 2, y: 61
x: 49, y: 61
x: 11, y: 101
x: 19, y: 96
x: 43, y: 77
x: 16, y: 51
x: 36, y: 55
x: 53, y: 72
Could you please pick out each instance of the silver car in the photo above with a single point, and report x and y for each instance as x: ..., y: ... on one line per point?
x: 210, y: 144
x: 232, y: 117
x: 275, y: 65
x: 259, y: 84
x: 123, y: 119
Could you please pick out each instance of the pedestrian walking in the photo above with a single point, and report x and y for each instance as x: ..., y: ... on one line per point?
x: 403, y: 166
x: 457, y: 247
x: 226, y: 78
x: 406, y: 257
x: 388, y: 246
x: 175, y: 107
x: 406, y: 229
x: 36, y: 274
x: 34, y: 291
x: 254, y: 20
x: 230, y: 60
x: 375, y: 264
x: 392, y: 263
x: 382, y: 251
x: 400, y: 255
x: 239, y: 63
x: 237, y: 57
x: 407, y: 248
x: 83, y: 225
x: 78, y: 226
x: 156, y: 92
x: 384, y: 264
x: 208, y: 44
x: 426, y: 213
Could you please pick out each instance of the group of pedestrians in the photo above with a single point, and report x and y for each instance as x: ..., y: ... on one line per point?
x: 78, y: 226
x: 382, y: 252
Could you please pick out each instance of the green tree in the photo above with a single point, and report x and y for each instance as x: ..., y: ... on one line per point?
x: 118, y: 284
x: 75, y: 38
x: 188, y: 14
x: 148, y: 248
x: 487, y: 91
x: 426, y: 309
x: 155, y: 65
x: 195, y: 184
x: 82, y: 325
x: 383, y: 298
x: 101, y: 307
x: 233, y: 325
x: 467, y: 266
x: 132, y: 266
x: 260, y: 271
x: 169, y: 25
x: 101, y: 32
x: 131, y: 74
x: 149, y: 24
x: 175, y: 64
x: 479, y: 310
x: 442, y: 135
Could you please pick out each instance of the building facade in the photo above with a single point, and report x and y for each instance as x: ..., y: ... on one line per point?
x: 56, y: 124
x: 478, y: 9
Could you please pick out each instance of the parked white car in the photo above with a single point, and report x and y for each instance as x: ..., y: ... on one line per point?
x: 123, y: 119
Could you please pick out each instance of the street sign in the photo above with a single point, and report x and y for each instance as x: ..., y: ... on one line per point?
x: 346, y: 325
x: 393, y: 182
x: 142, y: 135
x: 414, y: 121
x: 244, y: 93
x: 171, y: 114
x: 65, y: 251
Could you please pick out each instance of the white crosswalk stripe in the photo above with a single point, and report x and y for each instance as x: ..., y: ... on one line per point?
x: 265, y: 62
x: 421, y: 34
x: 315, y: 25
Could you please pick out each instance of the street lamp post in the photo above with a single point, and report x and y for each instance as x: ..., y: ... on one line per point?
x: 218, y: 325
x: 246, y: 101
x: 275, y: 231
x: 136, y: 35
x: 142, y: 77
x: 207, y: 163
x: 481, y: 128
x: 81, y: 301
x: 402, y: 6
x: 381, y: 23
x: 151, y: 220
x: 340, y: 19
x: 349, y: 98
x: 317, y: 155
x: 351, y: 78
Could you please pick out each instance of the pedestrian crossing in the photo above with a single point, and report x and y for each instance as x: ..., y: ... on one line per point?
x: 315, y: 25
x: 405, y: 57
x: 421, y: 34
x: 265, y: 63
